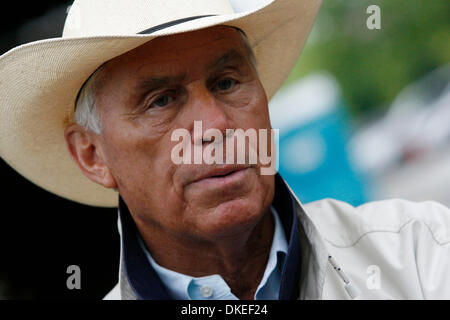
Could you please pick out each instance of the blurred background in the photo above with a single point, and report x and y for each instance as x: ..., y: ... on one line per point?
x: 364, y: 115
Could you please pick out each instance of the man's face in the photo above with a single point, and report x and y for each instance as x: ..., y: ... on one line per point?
x: 167, y: 84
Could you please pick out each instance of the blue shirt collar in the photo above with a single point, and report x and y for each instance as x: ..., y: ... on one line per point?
x: 146, y: 283
x: 184, y: 287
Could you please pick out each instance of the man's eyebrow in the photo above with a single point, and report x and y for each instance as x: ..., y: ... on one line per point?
x: 152, y: 83
x: 230, y: 56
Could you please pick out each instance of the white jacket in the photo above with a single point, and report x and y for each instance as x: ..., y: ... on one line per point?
x: 393, y: 249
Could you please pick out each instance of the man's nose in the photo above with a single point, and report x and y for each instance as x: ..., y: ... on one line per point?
x: 213, y: 113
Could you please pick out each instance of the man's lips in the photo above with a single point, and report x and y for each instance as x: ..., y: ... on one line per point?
x: 219, y: 173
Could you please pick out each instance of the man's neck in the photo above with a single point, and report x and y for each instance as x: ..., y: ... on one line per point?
x: 239, y: 259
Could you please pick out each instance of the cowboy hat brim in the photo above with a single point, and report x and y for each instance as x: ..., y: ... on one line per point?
x: 39, y: 83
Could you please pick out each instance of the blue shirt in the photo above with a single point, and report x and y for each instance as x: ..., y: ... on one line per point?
x: 213, y: 287
x: 146, y: 283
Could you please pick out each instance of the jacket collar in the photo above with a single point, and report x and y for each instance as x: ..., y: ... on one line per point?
x: 302, y: 275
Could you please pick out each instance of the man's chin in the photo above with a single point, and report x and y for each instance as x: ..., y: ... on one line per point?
x: 234, y: 208
x: 213, y: 191
x: 231, y: 217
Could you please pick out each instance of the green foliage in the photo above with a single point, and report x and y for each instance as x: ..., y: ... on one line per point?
x: 372, y: 66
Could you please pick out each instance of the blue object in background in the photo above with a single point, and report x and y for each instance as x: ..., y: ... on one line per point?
x: 314, y: 130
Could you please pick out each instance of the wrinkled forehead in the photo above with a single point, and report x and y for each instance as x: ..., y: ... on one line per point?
x: 175, y: 51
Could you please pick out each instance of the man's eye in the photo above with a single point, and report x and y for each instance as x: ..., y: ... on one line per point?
x: 162, y: 101
x: 225, y: 84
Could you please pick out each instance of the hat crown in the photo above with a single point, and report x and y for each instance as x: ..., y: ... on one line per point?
x: 125, y: 17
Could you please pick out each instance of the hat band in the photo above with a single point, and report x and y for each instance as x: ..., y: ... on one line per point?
x: 172, y: 23
x: 148, y: 31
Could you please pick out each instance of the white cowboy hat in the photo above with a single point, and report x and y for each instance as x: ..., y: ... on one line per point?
x: 39, y: 81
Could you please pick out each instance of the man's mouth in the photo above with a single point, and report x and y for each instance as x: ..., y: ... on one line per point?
x: 222, y: 174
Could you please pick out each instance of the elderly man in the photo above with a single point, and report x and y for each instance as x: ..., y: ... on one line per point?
x: 124, y: 77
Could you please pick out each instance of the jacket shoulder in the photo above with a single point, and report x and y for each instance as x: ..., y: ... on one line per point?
x: 114, y: 294
x: 343, y: 225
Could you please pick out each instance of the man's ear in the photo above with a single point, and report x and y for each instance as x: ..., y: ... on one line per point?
x: 84, y: 148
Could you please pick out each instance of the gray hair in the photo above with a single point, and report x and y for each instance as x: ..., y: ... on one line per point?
x: 86, y: 110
